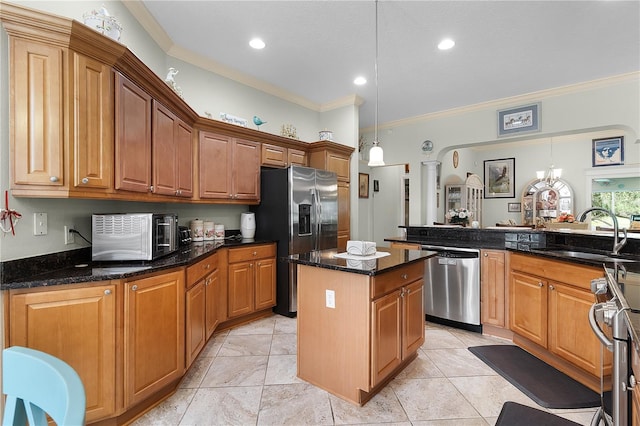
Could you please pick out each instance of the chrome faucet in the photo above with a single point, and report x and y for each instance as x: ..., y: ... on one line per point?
x: 616, y: 245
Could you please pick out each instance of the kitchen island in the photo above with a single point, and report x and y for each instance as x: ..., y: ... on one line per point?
x: 360, y: 322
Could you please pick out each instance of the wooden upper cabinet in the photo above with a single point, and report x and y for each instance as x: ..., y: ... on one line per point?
x: 229, y: 168
x: 215, y: 155
x: 273, y: 155
x: 279, y: 156
x: 298, y: 157
x: 246, y: 170
x: 172, y: 156
x: 37, y: 111
x: 92, y: 123
x: 133, y: 136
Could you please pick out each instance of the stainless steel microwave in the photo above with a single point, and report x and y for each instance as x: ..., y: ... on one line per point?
x: 133, y: 236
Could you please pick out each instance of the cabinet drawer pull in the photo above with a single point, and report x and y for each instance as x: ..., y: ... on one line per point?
x: 255, y: 253
x: 85, y: 180
x: 53, y: 178
x: 107, y: 292
x: 134, y: 287
x: 404, y: 276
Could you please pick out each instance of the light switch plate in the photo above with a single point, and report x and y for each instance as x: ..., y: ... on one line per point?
x: 40, y: 224
x: 330, y: 299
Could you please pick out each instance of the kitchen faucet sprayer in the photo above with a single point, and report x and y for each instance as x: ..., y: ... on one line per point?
x: 616, y: 245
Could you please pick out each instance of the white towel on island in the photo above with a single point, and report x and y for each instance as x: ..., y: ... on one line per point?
x: 376, y: 255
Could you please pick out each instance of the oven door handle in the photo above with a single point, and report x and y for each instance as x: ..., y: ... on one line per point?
x: 596, y: 311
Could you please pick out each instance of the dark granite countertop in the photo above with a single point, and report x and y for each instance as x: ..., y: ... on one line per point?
x: 396, y: 259
x: 87, y: 271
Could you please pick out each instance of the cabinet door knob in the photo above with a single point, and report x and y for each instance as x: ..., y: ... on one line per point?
x: 53, y: 178
x: 486, y: 255
x: 540, y: 284
x: 107, y: 292
x: 551, y: 287
x: 404, y: 276
x: 151, y: 188
x: 255, y: 253
x: 85, y: 180
x: 134, y: 287
x: 251, y: 265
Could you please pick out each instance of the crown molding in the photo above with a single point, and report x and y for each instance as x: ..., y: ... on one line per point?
x: 513, y: 101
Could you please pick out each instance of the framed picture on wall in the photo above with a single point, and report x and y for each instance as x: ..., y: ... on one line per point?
x: 514, y: 207
x: 499, y: 178
x: 363, y: 185
x: 524, y: 119
x: 607, y: 151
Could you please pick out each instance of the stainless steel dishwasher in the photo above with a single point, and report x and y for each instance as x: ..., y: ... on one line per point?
x: 452, y: 287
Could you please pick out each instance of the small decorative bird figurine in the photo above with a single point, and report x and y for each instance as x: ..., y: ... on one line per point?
x: 257, y: 121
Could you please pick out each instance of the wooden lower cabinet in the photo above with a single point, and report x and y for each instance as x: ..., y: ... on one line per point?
x: 553, y: 315
x: 251, y: 279
x: 397, y: 329
x: 154, y: 315
x: 78, y: 325
x: 196, y: 335
x: 493, y: 288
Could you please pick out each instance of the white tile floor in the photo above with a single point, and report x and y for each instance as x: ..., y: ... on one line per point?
x: 247, y: 376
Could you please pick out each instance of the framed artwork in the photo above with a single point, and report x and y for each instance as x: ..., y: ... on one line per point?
x: 524, y: 119
x: 514, y: 207
x: 608, y: 151
x: 499, y: 178
x: 363, y: 185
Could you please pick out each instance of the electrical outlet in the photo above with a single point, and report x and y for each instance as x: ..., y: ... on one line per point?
x: 330, y: 296
x: 69, y: 237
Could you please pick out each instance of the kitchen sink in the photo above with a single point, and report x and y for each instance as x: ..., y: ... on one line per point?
x: 598, y: 257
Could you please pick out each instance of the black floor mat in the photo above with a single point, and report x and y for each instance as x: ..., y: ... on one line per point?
x: 547, y: 386
x: 514, y: 414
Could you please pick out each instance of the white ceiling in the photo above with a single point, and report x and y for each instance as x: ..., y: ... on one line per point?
x: 316, y: 48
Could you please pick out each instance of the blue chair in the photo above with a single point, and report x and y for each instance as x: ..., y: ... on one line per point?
x: 37, y: 384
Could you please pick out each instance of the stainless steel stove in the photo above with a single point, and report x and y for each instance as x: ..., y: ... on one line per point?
x: 617, y: 296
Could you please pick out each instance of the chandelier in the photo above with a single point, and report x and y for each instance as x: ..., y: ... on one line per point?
x: 376, y: 154
x: 552, y: 174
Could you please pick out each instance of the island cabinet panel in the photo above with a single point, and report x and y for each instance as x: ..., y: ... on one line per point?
x: 635, y: 392
x: 154, y: 315
x: 77, y: 325
x: 413, y: 318
x: 387, y: 335
x: 493, y: 288
x: 37, y: 110
x: 355, y: 331
x: 549, y: 305
x: 334, y: 343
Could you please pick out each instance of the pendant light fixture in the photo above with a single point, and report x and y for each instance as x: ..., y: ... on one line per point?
x: 376, y: 154
x: 552, y: 174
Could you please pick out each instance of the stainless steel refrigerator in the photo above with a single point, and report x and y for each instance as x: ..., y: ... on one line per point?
x: 299, y: 210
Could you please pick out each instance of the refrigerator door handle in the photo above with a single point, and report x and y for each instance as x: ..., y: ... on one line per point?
x: 317, y: 212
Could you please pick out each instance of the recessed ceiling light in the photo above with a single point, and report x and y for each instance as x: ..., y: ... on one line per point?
x: 257, y: 43
x: 360, y: 81
x: 446, y: 44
